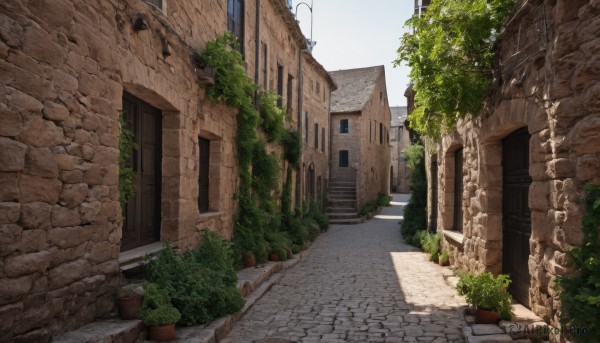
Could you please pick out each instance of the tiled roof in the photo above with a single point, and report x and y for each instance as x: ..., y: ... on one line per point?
x: 355, y: 86
x: 399, y: 114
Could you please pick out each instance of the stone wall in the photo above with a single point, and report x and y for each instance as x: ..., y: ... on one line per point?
x: 547, y: 81
x: 316, y: 92
x: 375, y: 159
x: 64, y: 67
x: 350, y: 141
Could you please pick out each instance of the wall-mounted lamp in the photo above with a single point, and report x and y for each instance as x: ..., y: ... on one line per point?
x: 140, y: 23
x: 309, y: 41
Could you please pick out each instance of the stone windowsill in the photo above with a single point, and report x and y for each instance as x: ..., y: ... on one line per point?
x: 209, y: 215
x: 454, y: 237
x: 132, y: 258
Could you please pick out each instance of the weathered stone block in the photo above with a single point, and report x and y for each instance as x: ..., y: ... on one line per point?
x: 12, y: 155
x: 34, y: 188
x: 103, y: 252
x: 89, y: 211
x: 40, y: 162
x: 73, y: 195
x: 38, y: 44
x: 40, y: 132
x: 539, y: 193
x: 10, y: 31
x: 13, y: 289
x: 33, y: 241
x: 9, y: 189
x: 12, y: 123
x: 54, y: 111
x: 67, y: 273
x: 10, y: 235
x: 10, y: 314
x: 36, y: 215
x: 9, y: 212
x: 68, y: 237
x: 63, y: 216
x: 540, y: 226
x: 27, y: 264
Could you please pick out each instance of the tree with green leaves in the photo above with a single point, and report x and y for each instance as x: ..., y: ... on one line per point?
x: 451, y: 55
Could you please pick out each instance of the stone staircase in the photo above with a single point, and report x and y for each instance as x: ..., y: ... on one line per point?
x: 341, y: 200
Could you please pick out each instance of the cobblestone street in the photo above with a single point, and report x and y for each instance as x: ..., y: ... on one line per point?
x: 357, y: 283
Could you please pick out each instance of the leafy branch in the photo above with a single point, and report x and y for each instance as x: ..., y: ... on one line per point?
x: 451, y: 54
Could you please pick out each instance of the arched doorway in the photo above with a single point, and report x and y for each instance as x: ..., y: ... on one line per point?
x: 516, y: 222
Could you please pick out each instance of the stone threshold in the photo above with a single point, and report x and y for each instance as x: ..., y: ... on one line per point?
x: 134, y: 258
x: 253, y: 283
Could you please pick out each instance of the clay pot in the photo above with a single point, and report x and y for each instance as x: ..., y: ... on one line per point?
x: 129, y: 306
x: 249, y: 260
x: 442, y: 263
x: 486, y: 317
x: 274, y: 257
x: 162, y: 333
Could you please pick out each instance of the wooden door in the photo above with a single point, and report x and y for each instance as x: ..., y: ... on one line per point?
x: 516, y: 214
x: 141, y: 217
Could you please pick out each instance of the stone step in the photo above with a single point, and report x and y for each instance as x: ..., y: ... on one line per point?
x: 341, y: 197
x: 341, y: 201
x: 346, y: 221
x: 341, y: 209
x: 350, y: 215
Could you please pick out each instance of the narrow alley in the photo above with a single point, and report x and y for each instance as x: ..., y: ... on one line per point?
x: 357, y: 283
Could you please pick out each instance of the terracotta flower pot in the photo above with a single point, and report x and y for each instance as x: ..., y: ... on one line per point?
x: 162, y: 333
x: 274, y: 257
x: 442, y: 263
x: 486, y: 317
x: 249, y: 260
x: 129, y: 306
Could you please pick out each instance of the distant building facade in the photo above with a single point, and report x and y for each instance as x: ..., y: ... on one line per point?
x: 399, y: 140
x: 360, y: 122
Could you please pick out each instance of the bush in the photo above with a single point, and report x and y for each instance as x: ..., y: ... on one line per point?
x: 157, y: 309
x: 415, y: 215
x: 383, y: 200
x: 369, y: 207
x: 487, y: 292
x: 431, y: 244
x: 319, y: 217
x: 415, y: 240
x: 201, y: 283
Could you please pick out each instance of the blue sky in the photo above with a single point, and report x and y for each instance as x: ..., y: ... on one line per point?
x: 360, y: 33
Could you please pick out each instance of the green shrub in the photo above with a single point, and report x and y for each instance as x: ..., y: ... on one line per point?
x: 580, y: 296
x: 487, y: 292
x: 318, y: 216
x: 312, y: 227
x: 431, y: 244
x: 368, y: 207
x: 383, y: 200
x: 415, y: 216
x: 201, y: 283
x: 156, y: 307
x: 415, y: 240
x: 272, y: 117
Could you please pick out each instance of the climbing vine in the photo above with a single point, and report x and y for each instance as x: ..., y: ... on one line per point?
x: 451, y: 53
x: 126, y: 173
x: 259, y: 222
x: 580, y: 297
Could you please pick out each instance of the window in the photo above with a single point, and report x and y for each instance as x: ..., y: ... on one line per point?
x: 280, y: 85
x: 318, y: 90
x: 343, y: 159
x: 265, y: 65
x: 204, y: 147
x: 290, y: 94
x: 323, y: 139
x: 305, y: 129
x: 370, y: 131
x: 344, y: 126
x: 458, y: 190
x: 316, y: 136
x: 157, y: 3
x: 380, y: 133
x: 235, y: 20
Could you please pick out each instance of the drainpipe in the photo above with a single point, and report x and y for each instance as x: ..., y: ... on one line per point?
x: 300, y: 96
x: 257, y: 47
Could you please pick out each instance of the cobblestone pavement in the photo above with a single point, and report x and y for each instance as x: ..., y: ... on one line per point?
x: 358, y: 283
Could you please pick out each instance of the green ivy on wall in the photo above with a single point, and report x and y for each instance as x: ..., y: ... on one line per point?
x: 126, y: 173
x: 451, y: 54
x: 580, y: 296
x: 260, y: 226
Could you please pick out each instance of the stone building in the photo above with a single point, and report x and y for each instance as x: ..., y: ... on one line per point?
x: 317, y: 86
x: 507, y: 185
x: 67, y: 68
x: 360, y: 121
x: 399, y: 140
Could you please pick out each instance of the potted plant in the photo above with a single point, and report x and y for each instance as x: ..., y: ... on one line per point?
x: 249, y: 259
x: 129, y: 300
x: 158, y: 314
x: 488, y: 294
